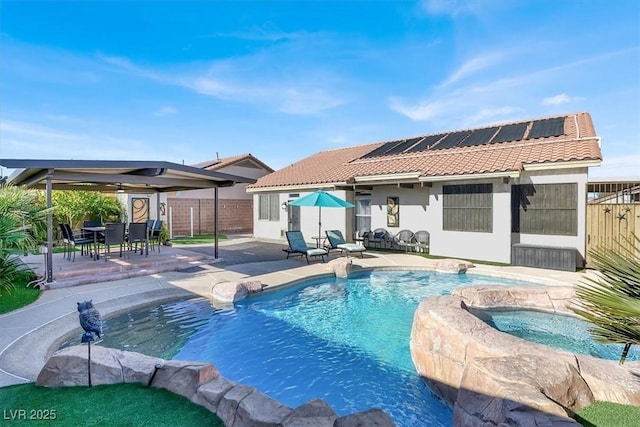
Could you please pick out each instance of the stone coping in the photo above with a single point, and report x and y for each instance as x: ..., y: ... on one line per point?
x: 491, y: 377
x: 235, y: 404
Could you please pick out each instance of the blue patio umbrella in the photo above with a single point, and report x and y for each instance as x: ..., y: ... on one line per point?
x: 321, y: 199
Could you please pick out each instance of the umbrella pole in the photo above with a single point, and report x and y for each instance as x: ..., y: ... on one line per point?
x: 319, y: 225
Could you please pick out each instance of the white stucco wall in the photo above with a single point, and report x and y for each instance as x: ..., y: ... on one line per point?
x: 332, y: 218
x: 415, y: 208
x: 494, y: 246
x: 578, y: 176
x: 421, y: 209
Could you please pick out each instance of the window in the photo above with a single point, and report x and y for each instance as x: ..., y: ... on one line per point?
x: 363, y: 214
x: 468, y: 207
x: 545, y: 209
x: 269, y: 207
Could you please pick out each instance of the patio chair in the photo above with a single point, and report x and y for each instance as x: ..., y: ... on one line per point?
x: 405, y: 239
x: 138, y: 234
x: 71, y: 241
x: 90, y: 223
x: 337, y: 242
x: 298, y: 246
x: 422, y: 241
x: 150, y: 223
x: 378, y: 238
x: 114, y: 234
x: 154, y: 234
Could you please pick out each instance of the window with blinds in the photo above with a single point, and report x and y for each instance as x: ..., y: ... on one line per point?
x: 269, y: 207
x: 468, y: 207
x: 545, y: 209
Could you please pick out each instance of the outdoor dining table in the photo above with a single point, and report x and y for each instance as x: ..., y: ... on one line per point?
x: 96, y: 232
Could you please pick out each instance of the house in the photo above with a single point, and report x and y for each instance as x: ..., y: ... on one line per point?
x: 480, y: 193
x: 193, y: 210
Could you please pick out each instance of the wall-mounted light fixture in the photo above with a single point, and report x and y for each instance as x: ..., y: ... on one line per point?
x: 120, y: 189
x: 285, y: 205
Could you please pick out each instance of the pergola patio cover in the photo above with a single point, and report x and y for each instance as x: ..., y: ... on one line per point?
x: 131, y: 176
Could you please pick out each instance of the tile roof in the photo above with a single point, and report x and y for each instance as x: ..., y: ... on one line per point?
x: 223, y: 162
x: 578, y: 142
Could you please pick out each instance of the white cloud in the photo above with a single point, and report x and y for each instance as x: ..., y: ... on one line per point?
x: 426, y: 110
x: 166, y: 110
x: 561, y: 98
x: 618, y: 166
x: 448, y: 7
x: 472, y: 66
x: 224, y: 80
x: 35, y: 141
x: 492, y: 115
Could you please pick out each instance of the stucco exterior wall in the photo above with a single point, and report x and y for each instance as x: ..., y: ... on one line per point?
x: 578, y: 176
x: 415, y: 210
x: 494, y: 246
x: 420, y: 208
x: 332, y: 218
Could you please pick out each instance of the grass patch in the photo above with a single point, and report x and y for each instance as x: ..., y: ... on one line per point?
x: 607, y: 414
x: 105, y: 405
x: 199, y: 239
x: 21, y: 296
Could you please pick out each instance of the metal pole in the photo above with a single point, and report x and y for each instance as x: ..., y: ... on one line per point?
x: 170, y: 222
x: 89, y: 362
x: 191, y: 220
x: 215, y: 222
x: 49, y: 254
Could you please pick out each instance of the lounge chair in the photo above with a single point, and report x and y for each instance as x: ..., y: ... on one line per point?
x: 298, y: 246
x: 336, y: 241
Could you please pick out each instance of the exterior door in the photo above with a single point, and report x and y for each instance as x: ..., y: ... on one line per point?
x: 294, y: 218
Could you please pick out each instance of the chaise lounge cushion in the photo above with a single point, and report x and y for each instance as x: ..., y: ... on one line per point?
x: 336, y: 241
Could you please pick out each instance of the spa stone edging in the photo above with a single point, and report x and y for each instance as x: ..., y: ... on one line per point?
x: 491, y: 377
x: 235, y: 404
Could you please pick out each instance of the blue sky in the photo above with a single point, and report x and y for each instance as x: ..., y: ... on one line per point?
x: 182, y: 81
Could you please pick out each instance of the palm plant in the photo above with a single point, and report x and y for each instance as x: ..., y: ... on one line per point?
x: 610, y: 299
x: 22, y: 221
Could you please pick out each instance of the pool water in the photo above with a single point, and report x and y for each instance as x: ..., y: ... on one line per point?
x: 555, y: 330
x: 344, y: 341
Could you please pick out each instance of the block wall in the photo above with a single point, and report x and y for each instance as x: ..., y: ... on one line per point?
x: 235, y: 216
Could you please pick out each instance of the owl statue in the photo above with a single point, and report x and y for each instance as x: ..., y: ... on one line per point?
x: 90, y: 318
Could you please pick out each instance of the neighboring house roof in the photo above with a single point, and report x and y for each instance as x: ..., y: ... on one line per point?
x: 246, y: 160
x: 504, y: 149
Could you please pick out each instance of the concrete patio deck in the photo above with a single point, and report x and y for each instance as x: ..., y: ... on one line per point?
x: 31, y: 334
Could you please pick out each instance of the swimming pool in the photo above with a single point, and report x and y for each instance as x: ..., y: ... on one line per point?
x: 345, y: 341
x: 555, y: 330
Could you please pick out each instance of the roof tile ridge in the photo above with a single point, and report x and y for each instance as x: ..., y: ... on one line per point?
x: 350, y: 147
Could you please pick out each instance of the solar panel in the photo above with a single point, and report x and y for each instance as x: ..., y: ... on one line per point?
x: 402, y: 146
x: 452, y: 139
x: 478, y: 137
x: 546, y: 128
x: 425, y: 143
x: 513, y: 132
x: 378, y: 151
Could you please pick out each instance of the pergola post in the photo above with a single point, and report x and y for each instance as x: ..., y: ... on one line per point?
x: 49, y: 254
x: 215, y: 222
